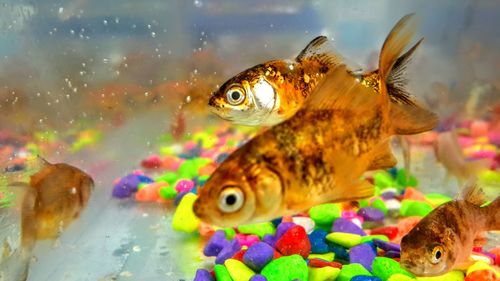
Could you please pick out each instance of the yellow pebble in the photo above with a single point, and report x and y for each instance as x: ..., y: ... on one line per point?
x: 184, y: 218
x: 481, y: 265
x: 400, y: 277
x: 454, y: 275
x: 326, y: 257
x: 326, y: 273
x: 238, y: 270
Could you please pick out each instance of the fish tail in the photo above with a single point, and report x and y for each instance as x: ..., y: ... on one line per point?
x: 492, y: 212
x: 407, y: 117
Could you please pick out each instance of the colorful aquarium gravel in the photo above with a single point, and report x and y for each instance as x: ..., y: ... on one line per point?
x: 330, y: 242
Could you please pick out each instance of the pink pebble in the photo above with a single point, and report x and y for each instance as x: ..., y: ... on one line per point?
x: 481, y: 154
x: 479, y: 128
x: 247, y: 240
x: 138, y: 172
x: 184, y: 185
x: 207, y: 154
x: 465, y: 141
x: 190, y: 145
x: 349, y: 214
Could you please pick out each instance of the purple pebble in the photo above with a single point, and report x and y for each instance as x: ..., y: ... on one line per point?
x: 282, y: 228
x: 216, y: 243
x: 120, y: 191
x: 270, y: 239
x: 343, y: 225
x: 258, y: 255
x: 203, y: 275
x: 371, y: 214
x: 392, y: 254
x: 387, y: 246
x: 227, y: 252
x: 126, y: 186
x: 258, y: 277
x: 362, y: 254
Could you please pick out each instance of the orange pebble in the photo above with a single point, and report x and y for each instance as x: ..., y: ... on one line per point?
x: 479, y: 128
x: 287, y: 219
x: 481, y: 275
x: 207, y: 170
x: 206, y: 230
x: 148, y: 193
x: 412, y: 193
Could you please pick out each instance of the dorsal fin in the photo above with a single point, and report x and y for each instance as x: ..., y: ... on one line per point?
x: 472, y: 193
x: 322, y: 50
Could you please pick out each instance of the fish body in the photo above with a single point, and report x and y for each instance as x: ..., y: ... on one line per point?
x: 55, y: 197
x: 444, y: 239
x: 319, y: 154
x: 272, y: 92
x: 449, y: 153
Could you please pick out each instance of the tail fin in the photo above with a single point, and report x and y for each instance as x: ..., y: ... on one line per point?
x: 407, y: 116
x: 493, y: 215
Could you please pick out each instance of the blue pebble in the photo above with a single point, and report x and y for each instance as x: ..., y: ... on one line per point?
x: 276, y: 222
x: 203, y: 275
x: 362, y: 254
x: 258, y: 255
x: 221, y: 157
x: 340, y: 252
x: 216, y: 243
x: 269, y: 239
x: 318, y: 242
x: 344, y: 225
x: 144, y: 179
x: 282, y: 228
x: 387, y: 246
x: 393, y: 171
x: 228, y: 251
x: 365, y: 278
x: 258, y: 277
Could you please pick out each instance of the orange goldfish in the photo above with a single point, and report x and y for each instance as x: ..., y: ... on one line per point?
x: 444, y: 239
x: 274, y: 91
x: 320, y: 153
x: 55, y: 197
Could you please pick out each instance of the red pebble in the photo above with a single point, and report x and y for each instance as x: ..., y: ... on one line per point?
x: 477, y: 249
x: 239, y: 255
x: 323, y: 263
x: 496, y: 252
x: 277, y: 255
x: 390, y: 231
x: 294, y: 241
x: 152, y: 162
x: 481, y: 275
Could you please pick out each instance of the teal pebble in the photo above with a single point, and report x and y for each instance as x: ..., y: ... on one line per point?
x: 286, y: 268
x: 348, y: 271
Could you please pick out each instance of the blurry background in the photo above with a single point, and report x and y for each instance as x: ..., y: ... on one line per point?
x: 110, y: 75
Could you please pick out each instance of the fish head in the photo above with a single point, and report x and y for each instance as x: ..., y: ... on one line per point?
x: 236, y: 195
x: 248, y: 98
x: 427, y: 253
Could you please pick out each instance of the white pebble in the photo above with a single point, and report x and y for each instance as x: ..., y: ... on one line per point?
x: 392, y: 204
x: 306, y: 222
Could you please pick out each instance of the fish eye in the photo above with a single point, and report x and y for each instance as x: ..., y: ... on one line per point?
x: 437, y: 254
x: 231, y: 199
x: 235, y: 95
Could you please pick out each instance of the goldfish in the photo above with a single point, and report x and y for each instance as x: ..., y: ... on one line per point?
x: 449, y: 153
x: 443, y: 240
x: 273, y: 91
x: 319, y: 154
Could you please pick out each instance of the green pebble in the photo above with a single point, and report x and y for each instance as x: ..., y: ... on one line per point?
x: 383, y: 268
x: 326, y: 273
x: 411, y: 208
x: 383, y: 179
x: 230, y: 233
x: 168, y: 192
x: 201, y: 162
x: 437, y: 199
x: 403, y: 182
x: 221, y: 273
x: 325, y: 213
x: 187, y: 169
x: 363, y: 203
x: 184, y: 218
x: 378, y: 203
x: 326, y: 257
x: 348, y: 271
x: 203, y: 178
x: 286, y: 268
x: 238, y: 270
x: 369, y: 238
x: 259, y: 229
x: 347, y: 240
x: 454, y: 275
x: 400, y: 277
x: 168, y: 177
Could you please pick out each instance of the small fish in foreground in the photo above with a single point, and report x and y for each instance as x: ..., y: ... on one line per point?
x: 320, y: 153
x: 444, y: 239
x: 272, y: 92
